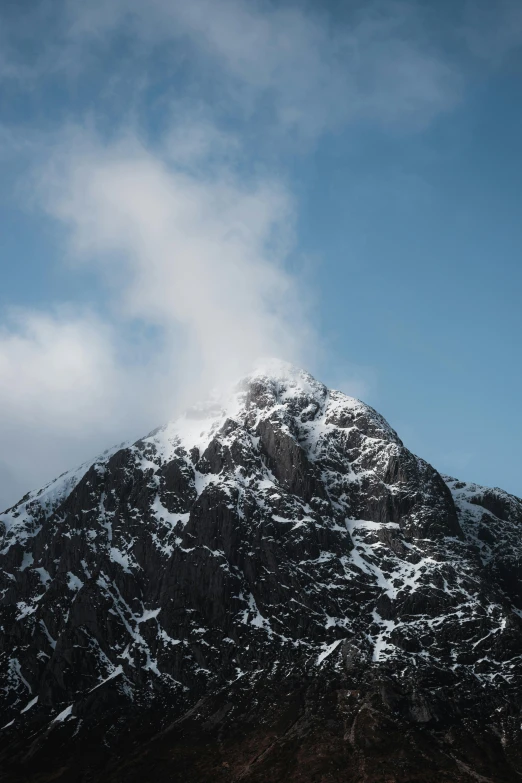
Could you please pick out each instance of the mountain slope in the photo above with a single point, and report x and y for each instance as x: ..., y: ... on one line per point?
x: 270, y: 588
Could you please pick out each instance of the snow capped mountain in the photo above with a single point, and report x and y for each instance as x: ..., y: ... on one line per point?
x: 271, y: 572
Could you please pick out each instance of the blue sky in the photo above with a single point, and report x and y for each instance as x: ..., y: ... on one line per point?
x: 186, y: 187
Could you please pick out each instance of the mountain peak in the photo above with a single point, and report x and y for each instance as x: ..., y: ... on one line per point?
x: 284, y: 373
x: 277, y: 369
x: 273, y: 554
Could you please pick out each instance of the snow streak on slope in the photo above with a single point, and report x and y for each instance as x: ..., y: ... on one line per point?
x: 285, y: 527
x: 25, y: 518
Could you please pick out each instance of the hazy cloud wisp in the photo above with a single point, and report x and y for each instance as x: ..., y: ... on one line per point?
x: 196, y: 253
x: 189, y: 243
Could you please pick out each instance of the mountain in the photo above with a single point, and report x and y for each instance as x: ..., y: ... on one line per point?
x: 270, y: 588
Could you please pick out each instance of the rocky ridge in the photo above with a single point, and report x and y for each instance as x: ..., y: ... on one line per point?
x: 270, y: 588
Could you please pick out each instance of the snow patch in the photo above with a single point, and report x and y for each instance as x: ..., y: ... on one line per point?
x: 328, y: 650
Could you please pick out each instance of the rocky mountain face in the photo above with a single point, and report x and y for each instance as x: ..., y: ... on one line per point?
x: 268, y: 589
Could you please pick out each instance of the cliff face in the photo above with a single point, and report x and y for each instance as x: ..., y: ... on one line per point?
x: 273, y: 588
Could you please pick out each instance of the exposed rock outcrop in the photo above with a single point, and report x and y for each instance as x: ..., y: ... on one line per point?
x: 271, y: 589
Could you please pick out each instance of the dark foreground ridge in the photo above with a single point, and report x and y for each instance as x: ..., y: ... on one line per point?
x: 271, y: 589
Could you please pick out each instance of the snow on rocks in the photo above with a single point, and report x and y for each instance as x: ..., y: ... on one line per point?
x: 280, y: 526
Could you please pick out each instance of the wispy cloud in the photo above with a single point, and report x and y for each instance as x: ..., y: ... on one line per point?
x: 196, y: 253
x: 492, y: 31
x: 296, y: 66
x: 60, y: 391
x: 190, y: 233
x: 200, y: 250
x: 314, y: 72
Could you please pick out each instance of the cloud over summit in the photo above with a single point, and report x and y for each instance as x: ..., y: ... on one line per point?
x: 201, y: 251
x: 194, y: 256
x: 161, y: 164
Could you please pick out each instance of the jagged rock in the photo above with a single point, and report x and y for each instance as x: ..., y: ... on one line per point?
x: 272, y: 588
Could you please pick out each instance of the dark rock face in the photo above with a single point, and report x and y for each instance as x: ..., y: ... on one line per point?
x: 271, y: 590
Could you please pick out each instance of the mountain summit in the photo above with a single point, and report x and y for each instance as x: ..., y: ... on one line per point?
x: 270, y: 588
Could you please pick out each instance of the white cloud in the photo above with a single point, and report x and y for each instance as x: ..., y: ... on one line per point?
x: 295, y: 67
x: 187, y: 243
x: 44, y: 358
x: 59, y: 396
x: 314, y: 71
x: 201, y: 252
x: 193, y: 140
x: 196, y: 254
